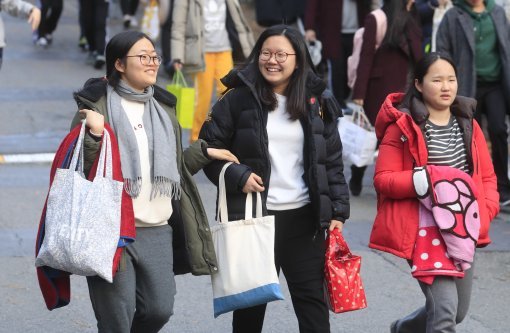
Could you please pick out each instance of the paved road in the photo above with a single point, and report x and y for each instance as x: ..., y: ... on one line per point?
x: 35, y: 111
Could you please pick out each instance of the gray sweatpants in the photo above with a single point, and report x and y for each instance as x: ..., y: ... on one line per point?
x: 446, y: 305
x: 141, y: 297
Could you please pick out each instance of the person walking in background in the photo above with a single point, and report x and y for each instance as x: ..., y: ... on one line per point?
x: 207, y: 37
x: 165, y: 19
x: 431, y: 128
x: 385, y: 70
x: 17, y: 8
x: 50, y: 15
x: 128, y: 8
x: 334, y: 23
x: 426, y: 9
x: 93, y: 16
x: 476, y: 34
x: 156, y: 171
x: 281, y: 123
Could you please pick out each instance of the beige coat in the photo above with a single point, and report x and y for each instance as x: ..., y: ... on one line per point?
x: 187, y: 42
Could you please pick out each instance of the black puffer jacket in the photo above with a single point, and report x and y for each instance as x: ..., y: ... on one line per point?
x: 238, y: 122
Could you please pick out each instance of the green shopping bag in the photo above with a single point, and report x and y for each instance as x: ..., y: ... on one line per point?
x: 185, y: 99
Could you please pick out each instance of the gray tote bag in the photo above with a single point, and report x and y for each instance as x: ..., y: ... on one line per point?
x: 82, y: 226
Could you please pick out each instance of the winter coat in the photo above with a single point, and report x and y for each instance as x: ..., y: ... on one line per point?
x: 325, y: 17
x: 402, y: 149
x: 187, y: 42
x: 455, y: 36
x: 238, y: 122
x: 384, y: 70
x: 18, y: 8
x: 192, y: 241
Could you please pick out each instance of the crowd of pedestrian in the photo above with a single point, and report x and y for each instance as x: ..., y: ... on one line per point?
x: 431, y: 75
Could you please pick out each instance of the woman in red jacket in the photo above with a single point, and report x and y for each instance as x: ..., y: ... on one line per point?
x: 429, y: 126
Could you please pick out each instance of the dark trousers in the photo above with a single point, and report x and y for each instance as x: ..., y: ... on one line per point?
x: 339, y: 70
x: 1, y: 56
x: 129, y: 7
x: 491, y: 101
x: 299, y: 252
x: 166, y: 34
x: 93, y: 15
x: 50, y: 14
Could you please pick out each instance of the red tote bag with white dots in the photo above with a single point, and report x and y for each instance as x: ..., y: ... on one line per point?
x: 342, y: 279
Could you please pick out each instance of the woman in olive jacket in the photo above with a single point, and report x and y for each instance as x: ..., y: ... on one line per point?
x: 280, y: 122
x: 172, y: 232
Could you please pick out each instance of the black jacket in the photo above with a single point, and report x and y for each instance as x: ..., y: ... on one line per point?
x: 238, y: 122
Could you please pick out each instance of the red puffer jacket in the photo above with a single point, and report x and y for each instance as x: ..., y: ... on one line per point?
x: 402, y: 148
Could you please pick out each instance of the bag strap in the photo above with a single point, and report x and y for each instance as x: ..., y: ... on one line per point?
x: 343, y: 248
x: 104, y: 166
x: 222, y: 214
x: 360, y: 118
x: 178, y: 79
x: 77, y: 159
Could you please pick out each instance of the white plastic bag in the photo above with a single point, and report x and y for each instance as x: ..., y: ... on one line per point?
x: 358, y: 138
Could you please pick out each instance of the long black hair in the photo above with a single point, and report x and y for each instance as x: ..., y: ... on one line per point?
x: 399, y: 20
x: 296, y: 89
x: 420, y: 70
x: 117, y: 48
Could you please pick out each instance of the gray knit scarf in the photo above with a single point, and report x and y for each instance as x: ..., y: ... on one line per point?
x: 165, y: 179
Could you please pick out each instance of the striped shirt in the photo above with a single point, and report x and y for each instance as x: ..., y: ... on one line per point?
x: 445, y: 145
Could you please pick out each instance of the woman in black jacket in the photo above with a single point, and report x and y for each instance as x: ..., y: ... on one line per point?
x: 279, y: 120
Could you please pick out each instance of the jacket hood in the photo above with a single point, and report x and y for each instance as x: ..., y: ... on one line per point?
x: 391, y: 111
x: 95, y: 88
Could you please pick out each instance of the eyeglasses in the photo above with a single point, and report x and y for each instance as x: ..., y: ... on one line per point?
x: 279, y: 56
x: 145, y: 59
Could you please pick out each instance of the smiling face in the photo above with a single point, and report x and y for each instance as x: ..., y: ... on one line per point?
x: 131, y: 70
x: 275, y: 73
x: 439, y: 86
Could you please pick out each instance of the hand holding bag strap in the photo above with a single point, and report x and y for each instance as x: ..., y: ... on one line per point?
x: 342, y: 249
x: 178, y: 79
x: 222, y: 214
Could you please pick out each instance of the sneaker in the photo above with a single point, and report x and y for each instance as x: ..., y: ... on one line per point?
x: 127, y: 21
x: 83, y: 44
x: 134, y: 22
x: 99, y: 61
x: 42, y: 42
x: 49, y: 38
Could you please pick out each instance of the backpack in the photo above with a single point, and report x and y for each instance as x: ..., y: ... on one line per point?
x: 353, y: 60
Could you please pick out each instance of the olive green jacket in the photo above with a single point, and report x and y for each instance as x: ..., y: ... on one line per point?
x: 192, y: 241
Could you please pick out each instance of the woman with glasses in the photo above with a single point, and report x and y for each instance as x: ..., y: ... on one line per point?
x: 280, y: 121
x: 172, y: 234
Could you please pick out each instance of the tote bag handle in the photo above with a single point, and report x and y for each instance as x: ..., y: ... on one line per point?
x: 178, y: 79
x: 222, y: 215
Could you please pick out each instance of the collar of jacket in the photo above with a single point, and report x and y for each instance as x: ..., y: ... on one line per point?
x: 95, y: 88
x: 247, y: 76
